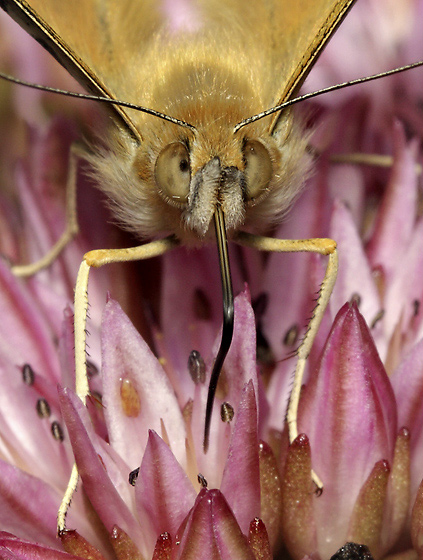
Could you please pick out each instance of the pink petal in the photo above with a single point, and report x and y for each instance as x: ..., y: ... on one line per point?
x: 25, y: 432
x: 407, y: 383
x: 192, y: 305
x: 350, y: 417
x: 43, y: 206
x: 94, y: 470
x: 367, y: 518
x: 211, y: 531
x: 12, y: 548
x: 298, y: 522
x: 163, y: 490
x: 354, y: 276
x: 240, y: 367
x: 137, y: 393
x: 26, y: 336
x: 20, y: 497
x: 259, y: 540
x: 396, y: 217
x: 41, y: 184
x: 405, y: 289
x: 270, y: 492
x: 241, y: 477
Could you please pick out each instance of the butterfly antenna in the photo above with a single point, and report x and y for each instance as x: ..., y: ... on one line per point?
x: 228, y: 317
x: 336, y: 87
x: 98, y: 98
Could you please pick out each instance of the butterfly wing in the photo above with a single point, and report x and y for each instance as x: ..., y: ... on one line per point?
x: 299, y: 31
x: 291, y: 32
x: 93, y: 39
x: 76, y: 33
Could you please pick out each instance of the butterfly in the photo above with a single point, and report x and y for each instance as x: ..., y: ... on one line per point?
x: 190, y: 153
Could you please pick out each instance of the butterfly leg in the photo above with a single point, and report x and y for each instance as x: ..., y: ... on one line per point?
x: 361, y: 158
x: 71, y: 230
x: 371, y: 160
x: 324, y: 247
x: 96, y: 259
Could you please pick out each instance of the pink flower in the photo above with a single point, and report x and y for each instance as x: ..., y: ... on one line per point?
x: 251, y: 496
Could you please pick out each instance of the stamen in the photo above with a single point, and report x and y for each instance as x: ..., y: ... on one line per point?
x: 201, y: 480
x: 57, y: 431
x: 226, y: 412
x: 378, y: 317
x: 291, y: 336
x: 28, y: 375
x: 355, y: 298
x: 133, y: 475
x: 43, y: 408
x: 196, y: 367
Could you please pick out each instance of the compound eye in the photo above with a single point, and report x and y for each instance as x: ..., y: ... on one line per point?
x: 258, y: 168
x: 173, y: 172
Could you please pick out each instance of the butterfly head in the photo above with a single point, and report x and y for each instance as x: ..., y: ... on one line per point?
x: 174, y: 179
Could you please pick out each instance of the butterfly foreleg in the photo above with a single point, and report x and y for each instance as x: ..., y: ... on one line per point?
x: 96, y: 259
x: 324, y: 247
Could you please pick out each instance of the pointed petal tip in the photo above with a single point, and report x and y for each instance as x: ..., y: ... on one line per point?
x: 75, y: 544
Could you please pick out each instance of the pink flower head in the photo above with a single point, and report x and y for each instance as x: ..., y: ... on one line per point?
x: 147, y: 490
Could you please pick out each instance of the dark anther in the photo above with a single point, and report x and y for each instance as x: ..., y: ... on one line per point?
x: 28, y: 374
x: 201, y: 480
x: 133, y: 475
x: 226, y: 412
x: 43, y: 408
x: 196, y: 367
x: 57, y: 431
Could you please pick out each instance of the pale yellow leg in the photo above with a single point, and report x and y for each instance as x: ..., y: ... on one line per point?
x: 323, y: 247
x: 71, y: 229
x: 373, y: 160
x: 96, y: 259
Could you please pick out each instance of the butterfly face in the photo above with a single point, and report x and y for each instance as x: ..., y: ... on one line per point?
x: 173, y: 181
